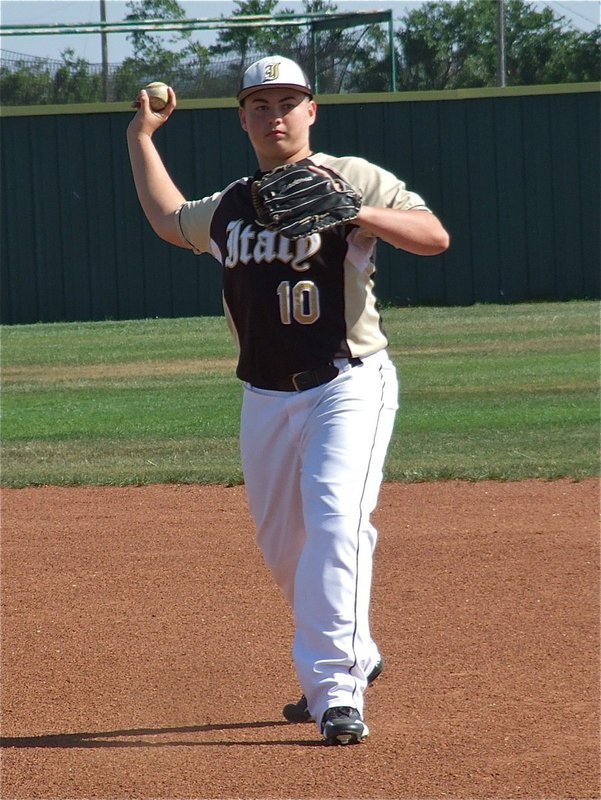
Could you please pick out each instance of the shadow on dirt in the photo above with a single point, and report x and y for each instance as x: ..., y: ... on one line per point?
x: 131, y: 738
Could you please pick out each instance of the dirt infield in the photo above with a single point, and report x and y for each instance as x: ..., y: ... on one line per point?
x: 146, y: 655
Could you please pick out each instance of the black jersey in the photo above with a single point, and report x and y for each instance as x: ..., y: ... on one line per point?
x: 295, y: 305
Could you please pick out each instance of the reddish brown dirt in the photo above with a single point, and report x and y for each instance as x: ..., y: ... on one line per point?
x: 146, y: 655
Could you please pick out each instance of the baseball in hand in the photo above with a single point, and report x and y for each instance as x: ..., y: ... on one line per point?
x: 157, y: 95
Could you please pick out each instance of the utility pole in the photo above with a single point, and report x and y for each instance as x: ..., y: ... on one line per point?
x: 105, y: 54
x: 501, y: 72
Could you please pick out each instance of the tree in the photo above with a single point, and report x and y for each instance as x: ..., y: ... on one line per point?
x: 242, y: 41
x: 36, y: 84
x: 148, y: 46
x: 371, y: 63
x: 578, y: 59
x: 73, y: 82
x: 446, y: 45
x: 153, y: 59
x: 535, y: 41
x: 330, y: 51
x: 440, y: 45
x: 334, y: 51
x: 25, y: 84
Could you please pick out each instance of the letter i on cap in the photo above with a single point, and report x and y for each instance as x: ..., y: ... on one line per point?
x: 274, y: 71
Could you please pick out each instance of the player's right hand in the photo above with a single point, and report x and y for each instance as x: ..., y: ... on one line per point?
x: 146, y: 120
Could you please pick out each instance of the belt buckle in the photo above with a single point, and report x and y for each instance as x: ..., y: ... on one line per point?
x: 293, y: 379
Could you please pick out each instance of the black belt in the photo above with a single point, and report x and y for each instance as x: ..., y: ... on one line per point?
x: 300, y: 381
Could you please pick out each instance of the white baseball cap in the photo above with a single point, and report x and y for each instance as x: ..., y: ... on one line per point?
x: 274, y: 71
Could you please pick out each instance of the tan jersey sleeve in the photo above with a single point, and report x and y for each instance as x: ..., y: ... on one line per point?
x: 378, y: 186
x: 195, y: 222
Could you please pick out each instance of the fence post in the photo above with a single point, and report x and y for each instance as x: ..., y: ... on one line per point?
x: 393, y: 75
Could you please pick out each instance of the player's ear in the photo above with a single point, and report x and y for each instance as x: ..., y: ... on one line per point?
x: 242, y: 117
x: 312, y: 112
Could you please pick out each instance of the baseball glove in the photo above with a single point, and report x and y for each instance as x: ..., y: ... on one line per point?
x: 297, y: 201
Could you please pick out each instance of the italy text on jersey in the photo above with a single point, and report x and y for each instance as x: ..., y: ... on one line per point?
x: 245, y: 245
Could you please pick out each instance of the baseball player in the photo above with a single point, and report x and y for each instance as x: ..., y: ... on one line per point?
x: 319, y: 390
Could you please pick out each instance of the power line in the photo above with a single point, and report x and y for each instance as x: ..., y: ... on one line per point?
x: 577, y: 13
x: 570, y: 23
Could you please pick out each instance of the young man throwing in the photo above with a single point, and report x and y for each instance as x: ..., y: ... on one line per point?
x: 320, y: 392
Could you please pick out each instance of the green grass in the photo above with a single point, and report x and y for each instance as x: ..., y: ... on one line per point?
x: 504, y: 392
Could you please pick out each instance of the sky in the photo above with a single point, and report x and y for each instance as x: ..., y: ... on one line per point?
x: 582, y: 15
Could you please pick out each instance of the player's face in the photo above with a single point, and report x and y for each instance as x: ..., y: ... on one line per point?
x: 277, y: 122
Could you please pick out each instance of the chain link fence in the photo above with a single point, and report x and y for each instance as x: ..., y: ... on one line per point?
x: 26, y: 80
x: 335, y: 61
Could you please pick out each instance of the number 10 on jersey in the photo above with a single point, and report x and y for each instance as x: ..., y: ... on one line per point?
x: 299, y: 301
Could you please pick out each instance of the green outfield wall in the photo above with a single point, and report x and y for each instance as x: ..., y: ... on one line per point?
x: 513, y: 173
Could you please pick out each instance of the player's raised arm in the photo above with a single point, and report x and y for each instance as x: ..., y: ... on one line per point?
x: 159, y: 196
x: 417, y: 230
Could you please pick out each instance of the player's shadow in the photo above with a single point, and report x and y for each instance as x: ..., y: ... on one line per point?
x: 135, y: 737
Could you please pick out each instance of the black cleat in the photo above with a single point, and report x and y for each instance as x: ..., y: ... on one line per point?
x: 298, y: 712
x: 343, y: 725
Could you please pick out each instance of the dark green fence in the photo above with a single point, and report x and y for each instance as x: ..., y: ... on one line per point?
x: 514, y: 175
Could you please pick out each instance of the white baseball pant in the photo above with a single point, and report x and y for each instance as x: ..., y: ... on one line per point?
x: 313, y: 466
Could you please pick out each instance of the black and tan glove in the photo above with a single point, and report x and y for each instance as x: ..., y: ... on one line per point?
x: 297, y: 200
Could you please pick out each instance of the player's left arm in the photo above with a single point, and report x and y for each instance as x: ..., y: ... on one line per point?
x: 416, y: 230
